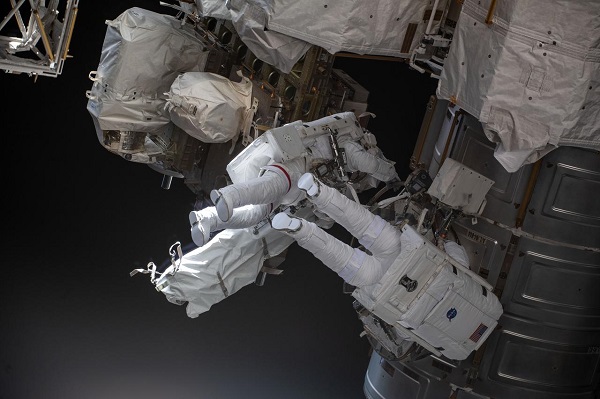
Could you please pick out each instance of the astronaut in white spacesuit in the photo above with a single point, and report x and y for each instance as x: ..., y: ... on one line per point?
x: 389, y: 279
x: 265, y: 175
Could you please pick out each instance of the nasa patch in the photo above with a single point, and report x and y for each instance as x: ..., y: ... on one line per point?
x: 451, y: 314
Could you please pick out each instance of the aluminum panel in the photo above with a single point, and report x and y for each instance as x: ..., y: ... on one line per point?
x: 394, y: 380
x: 435, y: 114
x: 446, y: 137
x: 554, y: 285
x: 467, y: 395
x: 565, y: 206
x: 474, y: 150
x: 544, y: 361
x: 486, y: 246
x: 577, y: 367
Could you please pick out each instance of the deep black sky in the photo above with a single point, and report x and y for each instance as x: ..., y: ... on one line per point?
x: 78, y: 219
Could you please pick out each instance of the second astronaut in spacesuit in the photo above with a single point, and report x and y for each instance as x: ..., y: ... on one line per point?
x: 416, y: 288
x: 270, y: 179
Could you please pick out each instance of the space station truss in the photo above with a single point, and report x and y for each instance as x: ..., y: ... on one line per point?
x: 35, y: 36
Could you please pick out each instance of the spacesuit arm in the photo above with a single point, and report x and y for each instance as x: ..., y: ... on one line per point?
x: 348, y: 132
x: 275, y: 186
x: 360, y: 160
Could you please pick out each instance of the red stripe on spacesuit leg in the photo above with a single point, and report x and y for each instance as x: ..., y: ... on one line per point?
x: 289, y: 179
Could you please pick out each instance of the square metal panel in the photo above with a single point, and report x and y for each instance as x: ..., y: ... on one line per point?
x: 527, y: 361
x: 486, y: 246
x: 385, y: 380
x: 474, y: 150
x: 550, y: 363
x: 554, y: 285
x: 565, y: 205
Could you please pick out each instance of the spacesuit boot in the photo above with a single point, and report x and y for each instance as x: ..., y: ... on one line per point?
x: 268, y: 188
x: 202, y: 223
x: 224, y: 200
x: 284, y: 222
x: 310, y: 185
x: 326, y: 198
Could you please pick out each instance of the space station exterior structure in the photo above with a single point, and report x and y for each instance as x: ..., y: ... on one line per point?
x: 505, y: 109
x: 537, y: 243
x: 517, y: 103
x: 35, y: 36
x: 133, y: 103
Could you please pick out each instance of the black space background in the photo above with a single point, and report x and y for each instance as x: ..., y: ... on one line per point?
x: 77, y: 219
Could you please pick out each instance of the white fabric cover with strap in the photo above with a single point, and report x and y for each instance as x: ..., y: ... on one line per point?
x: 531, y: 77
x: 208, y: 106
x: 142, y: 54
x: 280, y: 31
x: 227, y: 263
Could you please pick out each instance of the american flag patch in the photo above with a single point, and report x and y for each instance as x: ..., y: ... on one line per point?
x: 478, y: 333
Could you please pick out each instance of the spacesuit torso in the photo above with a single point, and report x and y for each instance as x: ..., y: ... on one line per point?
x: 427, y: 295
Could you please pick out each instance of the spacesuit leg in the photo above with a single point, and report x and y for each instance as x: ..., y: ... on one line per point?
x: 352, y: 264
x: 265, y: 189
x: 206, y: 220
x: 269, y: 188
x: 374, y: 233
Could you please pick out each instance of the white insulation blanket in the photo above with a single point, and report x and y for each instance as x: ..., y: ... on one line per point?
x: 227, y: 263
x: 142, y: 54
x: 279, y: 32
x: 363, y: 27
x: 250, y: 21
x: 210, y: 107
x: 532, y: 77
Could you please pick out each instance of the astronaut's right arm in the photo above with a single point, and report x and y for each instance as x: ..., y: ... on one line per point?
x: 358, y: 159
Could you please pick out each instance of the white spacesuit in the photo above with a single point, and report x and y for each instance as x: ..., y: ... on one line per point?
x: 266, y: 173
x: 376, y: 235
x: 406, y: 281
